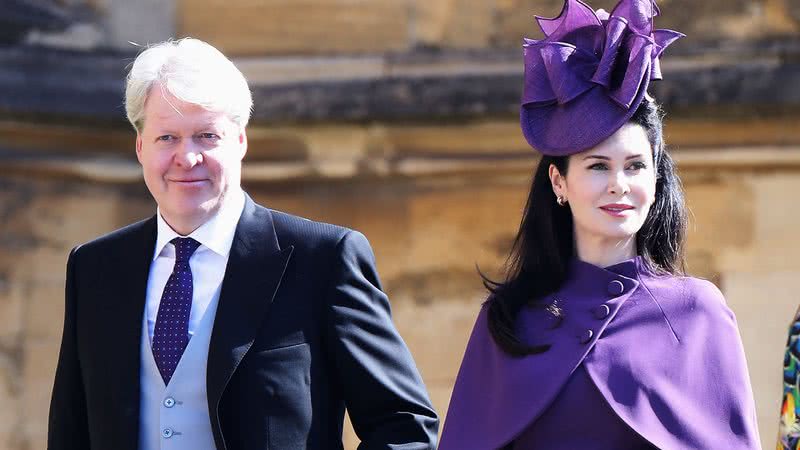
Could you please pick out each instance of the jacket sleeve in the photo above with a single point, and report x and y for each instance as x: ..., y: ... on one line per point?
x: 68, y: 424
x: 384, y: 394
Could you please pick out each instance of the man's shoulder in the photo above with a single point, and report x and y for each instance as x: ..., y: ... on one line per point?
x: 120, y: 238
x: 301, y: 232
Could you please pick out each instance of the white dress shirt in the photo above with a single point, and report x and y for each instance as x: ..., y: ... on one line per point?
x: 207, y: 263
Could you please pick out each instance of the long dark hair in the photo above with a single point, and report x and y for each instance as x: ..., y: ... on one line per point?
x: 538, y: 262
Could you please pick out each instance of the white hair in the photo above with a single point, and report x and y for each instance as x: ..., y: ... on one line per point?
x: 192, y: 71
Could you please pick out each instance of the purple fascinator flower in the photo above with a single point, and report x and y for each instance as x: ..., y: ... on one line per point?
x: 589, y: 74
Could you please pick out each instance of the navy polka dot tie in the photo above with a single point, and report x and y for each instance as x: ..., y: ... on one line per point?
x: 171, y: 334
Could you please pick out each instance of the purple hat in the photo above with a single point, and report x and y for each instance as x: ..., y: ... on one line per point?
x: 589, y: 74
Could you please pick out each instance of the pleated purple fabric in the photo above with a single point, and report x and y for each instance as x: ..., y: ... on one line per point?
x: 589, y: 74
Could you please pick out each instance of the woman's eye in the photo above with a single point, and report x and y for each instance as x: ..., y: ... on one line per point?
x: 637, y: 166
x: 598, y: 166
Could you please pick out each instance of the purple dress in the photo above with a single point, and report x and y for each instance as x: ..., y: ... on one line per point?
x: 658, y: 359
x: 580, y: 418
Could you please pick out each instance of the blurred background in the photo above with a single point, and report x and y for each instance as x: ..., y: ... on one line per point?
x: 397, y: 118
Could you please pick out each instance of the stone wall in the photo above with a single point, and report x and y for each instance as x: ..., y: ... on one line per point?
x: 355, y: 26
x: 325, y: 27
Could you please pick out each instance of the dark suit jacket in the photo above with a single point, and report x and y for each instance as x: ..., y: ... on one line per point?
x: 302, y: 331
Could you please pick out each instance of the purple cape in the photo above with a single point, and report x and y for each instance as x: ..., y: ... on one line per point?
x: 663, y: 351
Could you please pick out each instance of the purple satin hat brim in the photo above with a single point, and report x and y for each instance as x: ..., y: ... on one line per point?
x: 562, y: 130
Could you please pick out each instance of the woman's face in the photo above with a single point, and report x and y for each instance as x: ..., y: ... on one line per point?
x: 609, y: 188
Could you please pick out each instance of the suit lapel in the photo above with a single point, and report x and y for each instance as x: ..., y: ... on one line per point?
x: 127, y: 275
x: 254, y: 272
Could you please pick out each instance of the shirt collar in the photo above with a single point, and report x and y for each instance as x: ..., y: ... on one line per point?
x: 216, y: 234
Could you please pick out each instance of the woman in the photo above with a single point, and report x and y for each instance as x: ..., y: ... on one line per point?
x: 789, y: 425
x: 595, y: 339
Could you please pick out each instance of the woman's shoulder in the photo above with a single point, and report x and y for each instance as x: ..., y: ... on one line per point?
x: 685, y: 294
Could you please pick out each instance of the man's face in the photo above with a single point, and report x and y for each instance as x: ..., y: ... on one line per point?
x: 191, y: 157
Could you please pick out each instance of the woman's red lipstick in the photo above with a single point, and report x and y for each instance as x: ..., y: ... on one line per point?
x: 616, y: 209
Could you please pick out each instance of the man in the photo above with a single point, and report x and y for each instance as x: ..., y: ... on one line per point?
x: 219, y: 323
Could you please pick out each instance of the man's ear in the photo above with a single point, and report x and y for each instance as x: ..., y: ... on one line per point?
x: 243, y: 142
x: 139, y: 147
